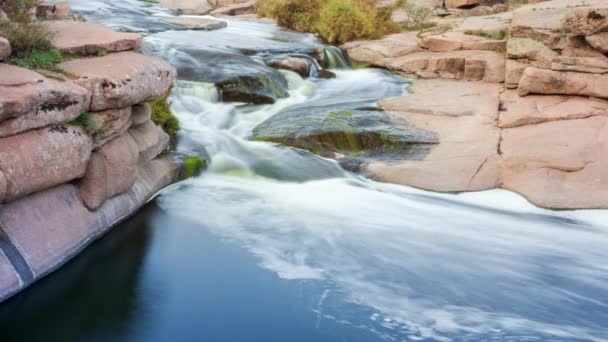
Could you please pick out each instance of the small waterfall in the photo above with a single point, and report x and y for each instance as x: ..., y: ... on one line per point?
x: 207, y: 92
x: 335, y: 58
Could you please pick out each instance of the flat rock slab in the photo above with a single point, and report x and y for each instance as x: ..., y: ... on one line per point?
x: 491, y: 24
x: 121, y: 79
x: 559, y: 164
x: 189, y: 7
x: 452, y: 41
x: 463, y: 116
x: 30, y: 100
x: 87, y: 38
x: 246, y: 7
x: 550, y: 82
x: 379, y: 52
x: 43, y: 158
x: 469, y: 65
x: 197, y: 23
x: 520, y: 111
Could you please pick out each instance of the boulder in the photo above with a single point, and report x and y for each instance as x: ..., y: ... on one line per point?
x: 121, y: 79
x: 87, y: 38
x: 541, y: 81
x: 463, y: 116
x: 5, y: 48
x: 302, y: 66
x: 379, y: 52
x: 189, y: 7
x: 599, y: 41
x: 54, y: 11
x: 534, y: 109
x: 30, y: 100
x: 109, y: 124
x: 514, y: 71
x: 526, y: 48
x: 587, y: 21
x: 558, y: 164
x: 112, y: 170
x: 40, y: 159
x: 151, y: 141
x: 452, y: 41
x: 494, y: 24
x: 197, y: 23
x: 260, y: 87
x: 141, y: 113
x: 244, y: 7
x: 469, y: 65
x: 345, y: 132
x: 462, y: 3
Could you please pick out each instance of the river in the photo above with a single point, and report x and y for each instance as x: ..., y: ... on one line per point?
x: 276, y: 244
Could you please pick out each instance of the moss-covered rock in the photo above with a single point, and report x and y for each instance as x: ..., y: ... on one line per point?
x: 192, y: 167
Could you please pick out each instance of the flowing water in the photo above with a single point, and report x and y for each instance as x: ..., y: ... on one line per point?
x: 275, y: 244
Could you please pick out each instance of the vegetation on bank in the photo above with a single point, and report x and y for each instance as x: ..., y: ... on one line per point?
x: 336, y: 21
x: 163, y: 117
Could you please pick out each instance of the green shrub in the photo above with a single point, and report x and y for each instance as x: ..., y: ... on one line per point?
x: 419, y: 16
x: 163, y: 117
x: 85, y: 120
x: 19, y: 11
x: 26, y: 38
x: 340, y: 21
x: 299, y: 15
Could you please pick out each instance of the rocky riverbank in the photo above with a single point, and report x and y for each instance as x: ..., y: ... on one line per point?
x: 78, y: 150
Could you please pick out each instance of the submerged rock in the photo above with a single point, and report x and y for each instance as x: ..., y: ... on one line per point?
x: 197, y: 23
x: 346, y: 133
x: 254, y: 88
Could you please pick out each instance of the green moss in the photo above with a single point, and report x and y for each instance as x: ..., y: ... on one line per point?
x: 193, y: 166
x: 38, y: 59
x: 163, y: 117
x: 270, y: 86
x: 501, y: 35
x: 85, y: 120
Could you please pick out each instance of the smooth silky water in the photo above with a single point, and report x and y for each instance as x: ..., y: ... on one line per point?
x: 275, y: 244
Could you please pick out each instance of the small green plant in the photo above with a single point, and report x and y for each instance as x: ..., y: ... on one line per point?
x: 419, y: 16
x: 500, y: 35
x: 85, y: 120
x: 38, y: 59
x: 163, y: 117
x: 192, y: 167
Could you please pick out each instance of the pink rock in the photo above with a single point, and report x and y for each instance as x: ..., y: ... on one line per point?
x: 379, y: 52
x: 121, y: 79
x: 452, y: 41
x: 141, y: 114
x: 541, y: 81
x: 519, y: 111
x: 87, y: 38
x: 59, y: 10
x: 5, y: 48
x: 40, y: 100
x: 462, y: 3
x: 43, y: 158
x: 514, y: 71
x: 587, y: 21
x: 236, y: 8
x: 112, y: 170
x: 599, y: 41
x: 188, y: 7
x: 109, y: 124
x: 150, y: 139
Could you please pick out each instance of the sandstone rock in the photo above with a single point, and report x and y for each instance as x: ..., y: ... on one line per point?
x: 109, y: 124
x: 141, y: 113
x: 43, y: 158
x: 87, y: 38
x: 245, y: 7
x: 192, y: 7
x: 514, y: 71
x: 58, y: 10
x: 466, y: 64
x: 587, y: 21
x: 112, y: 170
x: 463, y: 115
x: 594, y: 65
x: 462, y: 3
x: 558, y: 164
x: 520, y: 48
x: 150, y: 139
x: 296, y: 64
x: 5, y: 48
x: 541, y: 81
x: 490, y: 24
x: 599, y: 41
x: 197, y: 23
x: 519, y: 111
x: 377, y: 52
x: 121, y: 79
x: 452, y: 41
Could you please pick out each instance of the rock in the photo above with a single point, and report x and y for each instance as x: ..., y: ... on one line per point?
x: 587, y: 21
x: 246, y: 7
x: 519, y: 111
x: 526, y: 48
x: 599, y: 41
x: 30, y: 100
x: 112, y: 170
x: 594, y: 65
x: 151, y: 141
x: 197, y: 23
x: 121, y: 79
x: 378, y: 52
x: 462, y: 3
x: 541, y: 81
x: 54, y: 11
x: 40, y: 159
x: 452, y: 41
x: 141, y: 113
x: 300, y: 65
x: 189, y: 7
x: 10, y: 281
x: 491, y: 24
x: 61, y: 226
x: 559, y: 164
x: 348, y: 132
x: 5, y: 48
x: 326, y: 74
x: 514, y: 71
x: 254, y: 88
x: 466, y: 64
x: 463, y: 115
x: 87, y: 38
x: 109, y: 124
